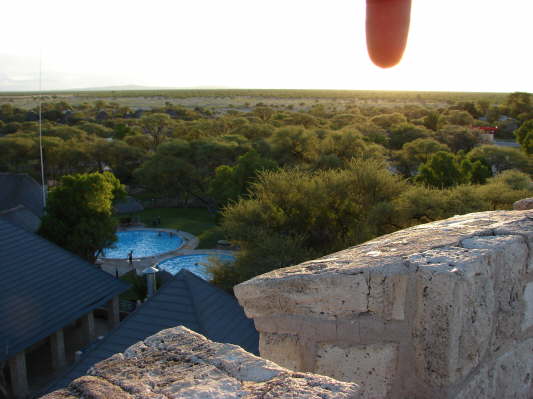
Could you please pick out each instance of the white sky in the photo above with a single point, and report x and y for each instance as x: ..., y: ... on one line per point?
x: 454, y: 45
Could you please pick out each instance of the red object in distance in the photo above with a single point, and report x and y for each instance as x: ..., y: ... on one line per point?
x: 387, y: 28
x: 486, y: 128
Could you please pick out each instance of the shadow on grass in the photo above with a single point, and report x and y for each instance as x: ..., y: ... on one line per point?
x: 197, y: 221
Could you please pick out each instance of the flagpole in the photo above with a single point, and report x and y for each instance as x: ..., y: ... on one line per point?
x: 41, y: 126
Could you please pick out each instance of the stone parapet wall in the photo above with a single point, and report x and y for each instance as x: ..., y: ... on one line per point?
x: 179, y: 363
x: 441, y: 310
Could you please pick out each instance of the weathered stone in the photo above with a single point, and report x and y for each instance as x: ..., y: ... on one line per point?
x: 523, y: 204
x: 509, y: 255
x: 454, y: 316
x: 374, y: 365
x: 528, y: 314
x: 282, y: 349
x: 387, y: 291
x: 522, y: 228
x: 97, y: 388
x: 341, y: 280
x: 339, y: 294
x: 451, y: 293
x: 509, y: 376
x: 178, y: 363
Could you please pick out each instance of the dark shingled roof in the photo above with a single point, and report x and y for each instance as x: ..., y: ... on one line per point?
x: 186, y: 300
x: 20, y: 189
x: 43, y: 288
x: 22, y: 217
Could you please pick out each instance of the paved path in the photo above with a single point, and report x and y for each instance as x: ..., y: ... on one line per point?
x: 190, y: 242
x: 506, y: 143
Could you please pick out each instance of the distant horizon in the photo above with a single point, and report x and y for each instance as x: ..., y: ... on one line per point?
x: 214, y: 88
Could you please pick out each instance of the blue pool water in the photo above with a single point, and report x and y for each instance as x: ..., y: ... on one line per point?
x: 143, y: 243
x: 194, y: 263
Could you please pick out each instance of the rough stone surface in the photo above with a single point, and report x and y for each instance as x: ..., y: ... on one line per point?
x: 528, y: 314
x: 297, y: 294
x: 510, y: 254
x: 387, y: 292
x: 454, y: 296
x: 179, y: 363
x: 453, y: 322
x: 509, y: 376
x: 282, y: 349
x: 340, y: 279
x: 523, y: 204
x: 374, y: 364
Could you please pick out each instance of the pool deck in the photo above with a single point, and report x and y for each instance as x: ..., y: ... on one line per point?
x: 190, y: 242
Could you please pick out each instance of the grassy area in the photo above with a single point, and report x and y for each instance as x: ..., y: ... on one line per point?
x: 196, y: 221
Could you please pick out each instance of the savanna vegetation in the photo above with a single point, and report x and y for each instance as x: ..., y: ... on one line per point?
x: 289, y: 182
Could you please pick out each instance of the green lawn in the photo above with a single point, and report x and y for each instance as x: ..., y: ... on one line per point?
x: 196, y: 221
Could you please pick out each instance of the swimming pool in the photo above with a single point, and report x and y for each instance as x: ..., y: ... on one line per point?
x: 195, y: 263
x: 143, y: 243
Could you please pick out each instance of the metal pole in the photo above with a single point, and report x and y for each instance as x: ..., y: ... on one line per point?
x: 41, y: 127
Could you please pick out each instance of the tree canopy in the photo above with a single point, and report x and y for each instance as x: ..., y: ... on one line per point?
x: 79, y: 213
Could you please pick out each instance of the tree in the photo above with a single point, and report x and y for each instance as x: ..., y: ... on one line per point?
x: 476, y: 172
x: 501, y: 158
x: 518, y: 103
x: 406, y: 132
x: 262, y: 112
x: 386, y: 121
x: 79, y: 213
x: 17, y: 153
x: 122, y: 158
x: 65, y: 132
x: 158, y: 126
x: 502, y: 190
x: 95, y: 129
x: 293, y: 215
x: 524, y: 136
x: 458, y: 137
x: 345, y: 145
x: 182, y: 167
x: 415, y: 153
x: 441, y: 170
x: 230, y: 182
x: 432, y: 120
x: 294, y: 145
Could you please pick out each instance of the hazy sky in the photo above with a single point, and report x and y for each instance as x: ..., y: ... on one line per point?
x: 455, y: 45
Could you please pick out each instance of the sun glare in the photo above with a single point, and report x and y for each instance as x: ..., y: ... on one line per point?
x: 477, y: 45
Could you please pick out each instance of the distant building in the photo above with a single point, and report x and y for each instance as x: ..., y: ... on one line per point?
x: 101, y: 116
x: 487, y: 133
x: 43, y: 290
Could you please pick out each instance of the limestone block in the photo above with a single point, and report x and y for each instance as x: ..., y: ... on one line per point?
x: 523, y: 204
x: 523, y: 228
x: 282, y: 349
x: 528, y: 313
x: 373, y: 365
x: 326, y: 295
x: 387, y: 291
x: 509, y: 255
x: 178, y: 363
x: 509, y: 376
x: 454, y: 315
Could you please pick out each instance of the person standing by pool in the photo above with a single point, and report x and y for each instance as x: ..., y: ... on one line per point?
x: 130, y: 257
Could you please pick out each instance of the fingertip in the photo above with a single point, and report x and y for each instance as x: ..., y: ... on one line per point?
x: 387, y: 29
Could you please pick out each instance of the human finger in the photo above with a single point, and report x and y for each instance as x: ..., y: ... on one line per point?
x: 387, y: 28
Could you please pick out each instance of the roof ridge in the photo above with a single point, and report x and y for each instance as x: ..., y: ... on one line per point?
x: 15, y: 208
x: 184, y: 275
